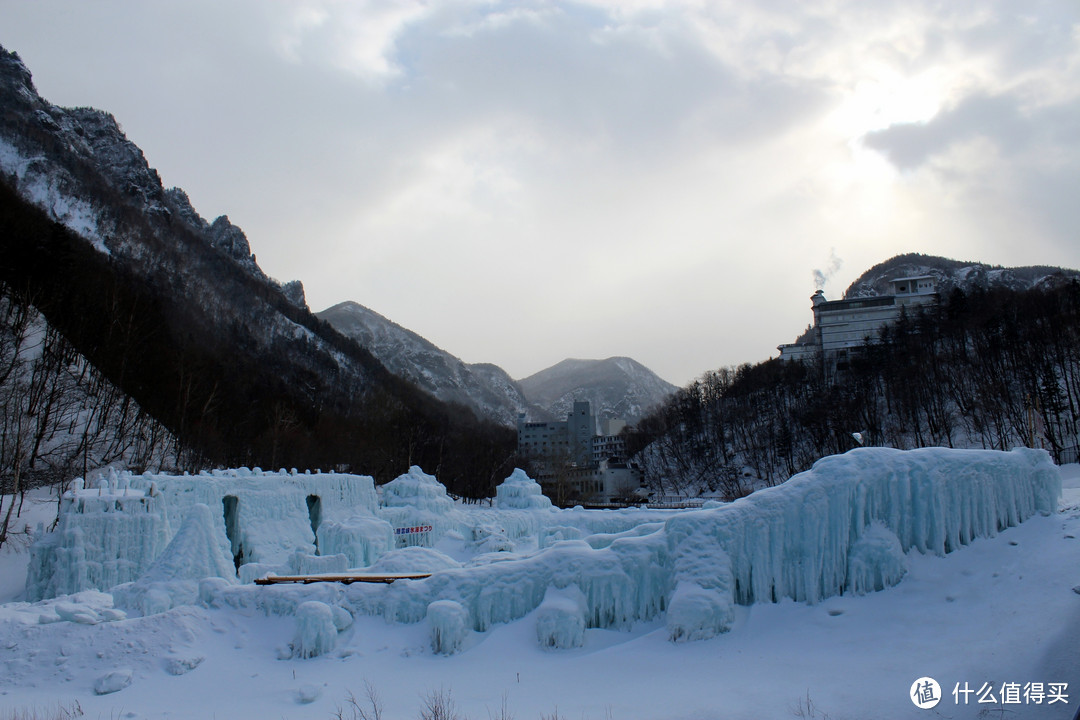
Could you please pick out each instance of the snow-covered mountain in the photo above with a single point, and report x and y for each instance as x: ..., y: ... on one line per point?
x: 175, y: 311
x: 617, y: 387
x: 956, y: 274
x: 485, y: 388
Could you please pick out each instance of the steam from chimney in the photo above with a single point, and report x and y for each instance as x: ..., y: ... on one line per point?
x: 823, y: 276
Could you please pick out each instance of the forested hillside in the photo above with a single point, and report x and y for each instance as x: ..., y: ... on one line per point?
x: 992, y: 368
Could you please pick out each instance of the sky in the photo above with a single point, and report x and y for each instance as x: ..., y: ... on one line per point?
x: 529, y: 181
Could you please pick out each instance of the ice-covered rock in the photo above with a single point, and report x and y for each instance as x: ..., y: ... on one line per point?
x: 183, y: 665
x: 250, y: 572
x: 489, y: 537
x: 603, y: 540
x: 622, y: 583
x: 316, y: 633
x: 497, y: 543
x: 560, y: 619
x: 521, y: 492
x: 448, y: 622
x: 113, y: 681
x: 211, y: 588
x: 75, y: 613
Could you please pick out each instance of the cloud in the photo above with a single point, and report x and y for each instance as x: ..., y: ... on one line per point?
x: 357, y: 36
x: 997, y: 119
x: 526, y: 181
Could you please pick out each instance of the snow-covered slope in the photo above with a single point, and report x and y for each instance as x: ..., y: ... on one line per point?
x: 956, y: 274
x: 617, y: 387
x: 485, y: 388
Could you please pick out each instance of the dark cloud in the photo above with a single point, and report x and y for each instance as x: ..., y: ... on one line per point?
x: 909, y: 145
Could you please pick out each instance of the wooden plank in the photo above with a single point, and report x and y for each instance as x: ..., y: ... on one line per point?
x: 347, y: 579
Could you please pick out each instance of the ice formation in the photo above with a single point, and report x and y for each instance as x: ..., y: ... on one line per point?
x: 316, y: 633
x: 197, y: 551
x: 697, y: 613
x: 343, y: 619
x: 111, y: 534
x: 488, y: 538
x: 106, y: 536
x: 521, y: 492
x: 823, y: 533
x: 449, y: 625
x: 794, y: 540
x: 876, y: 560
x: 844, y: 526
x: 360, y: 539
x: 417, y: 489
x: 560, y: 619
x: 417, y: 499
x: 413, y: 559
x: 702, y: 604
x: 301, y: 563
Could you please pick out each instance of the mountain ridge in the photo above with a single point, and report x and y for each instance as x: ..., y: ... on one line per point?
x: 965, y: 275
x: 616, y: 387
x: 484, y: 387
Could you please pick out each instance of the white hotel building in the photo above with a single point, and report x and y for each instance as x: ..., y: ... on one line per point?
x: 840, y: 325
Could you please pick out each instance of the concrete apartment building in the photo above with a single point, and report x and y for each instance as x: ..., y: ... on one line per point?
x: 570, y: 439
x: 840, y: 325
x: 575, y: 463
